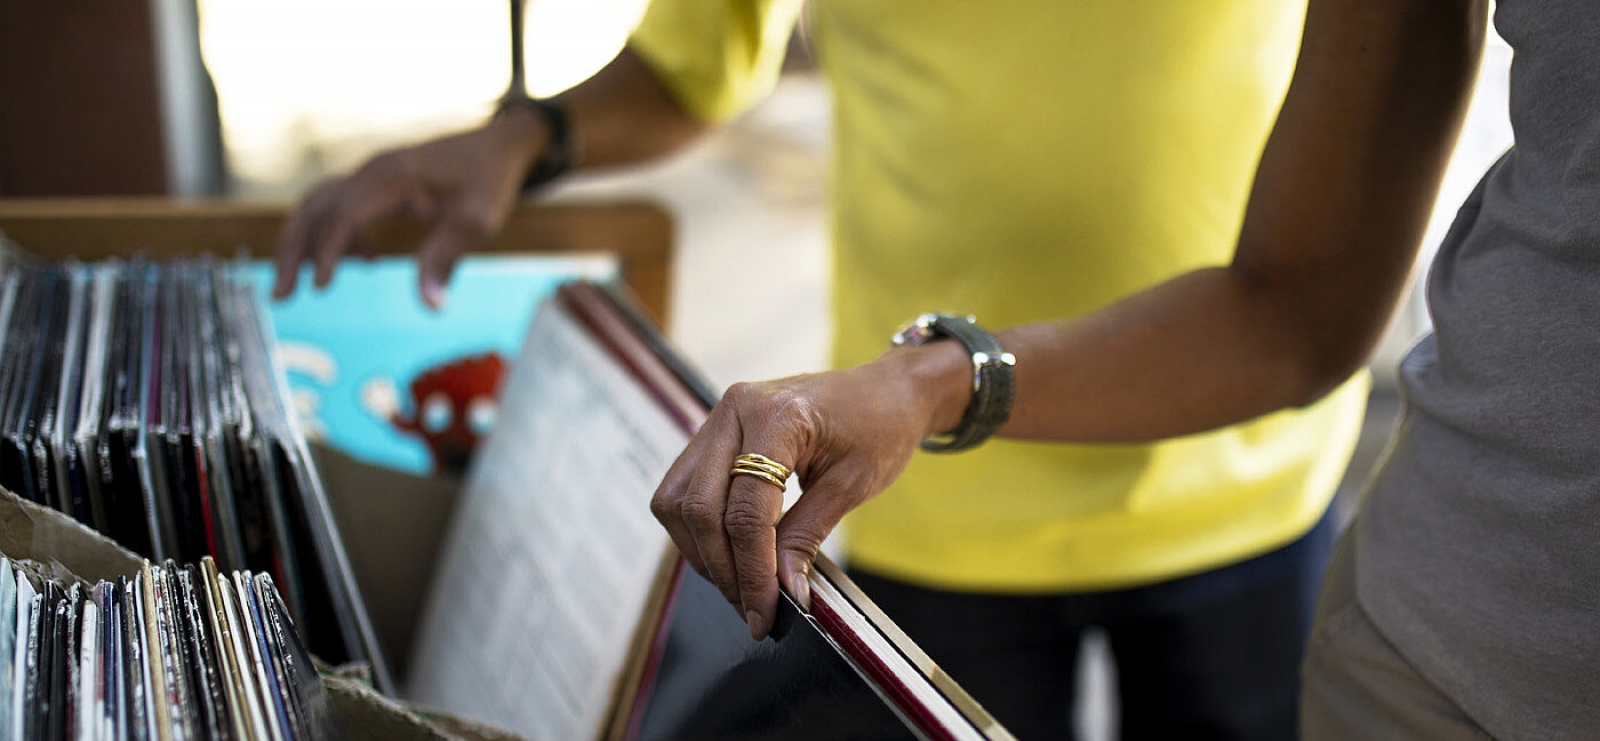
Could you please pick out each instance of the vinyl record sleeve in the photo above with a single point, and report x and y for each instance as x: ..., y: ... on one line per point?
x: 104, y: 704
x: 12, y: 292
x: 25, y: 344
x: 8, y: 644
x: 334, y: 615
x: 41, y: 407
x: 112, y: 688
x: 161, y: 695
x: 24, y: 645
x: 262, y: 512
x: 85, y: 433
x: 85, y: 713
x: 183, y: 710
x: 136, y: 666
x: 270, y: 692
x: 71, y: 494
x: 14, y: 357
x: 118, y: 431
x: 41, y: 620
x: 233, y: 689
x: 170, y: 426
x: 240, y: 664
x: 200, y: 656
x: 209, y: 394
x: 298, y: 691
x: 64, y: 674
x: 9, y: 281
x: 149, y: 367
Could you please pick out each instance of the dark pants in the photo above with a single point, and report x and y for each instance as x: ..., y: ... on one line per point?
x: 1213, y: 655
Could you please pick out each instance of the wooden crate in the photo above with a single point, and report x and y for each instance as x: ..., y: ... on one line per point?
x: 639, y: 234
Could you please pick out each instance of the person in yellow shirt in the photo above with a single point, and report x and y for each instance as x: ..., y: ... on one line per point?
x: 1184, y: 369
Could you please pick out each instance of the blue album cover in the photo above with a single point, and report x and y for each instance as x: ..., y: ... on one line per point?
x: 377, y: 374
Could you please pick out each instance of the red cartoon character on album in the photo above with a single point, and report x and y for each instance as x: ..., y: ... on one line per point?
x: 451, y: 407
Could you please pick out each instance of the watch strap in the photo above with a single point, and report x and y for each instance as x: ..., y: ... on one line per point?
x: 560, y: 155
x: 993, y: 379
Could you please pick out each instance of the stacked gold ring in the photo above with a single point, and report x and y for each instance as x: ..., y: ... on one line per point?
x: 761, y: 467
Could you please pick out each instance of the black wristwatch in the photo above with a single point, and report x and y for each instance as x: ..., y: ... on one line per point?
x: 562, y: 153
x: 993, y: 378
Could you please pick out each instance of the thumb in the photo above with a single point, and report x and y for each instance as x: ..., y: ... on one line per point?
x: 800, y: 536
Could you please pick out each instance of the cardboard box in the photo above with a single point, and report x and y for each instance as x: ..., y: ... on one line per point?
x: 66, y: 550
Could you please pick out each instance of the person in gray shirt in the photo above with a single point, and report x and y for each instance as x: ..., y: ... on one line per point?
x: 1466, y: 601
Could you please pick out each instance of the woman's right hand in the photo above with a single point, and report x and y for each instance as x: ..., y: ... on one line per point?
x: 463, y: 186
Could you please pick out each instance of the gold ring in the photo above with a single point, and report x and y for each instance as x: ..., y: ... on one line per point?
x: 777, y: 472
x: 761, y: 467
x: 757, y: 460
x: 763, y: 475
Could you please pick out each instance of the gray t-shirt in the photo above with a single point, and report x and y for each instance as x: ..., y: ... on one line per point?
x: 1478, y: 549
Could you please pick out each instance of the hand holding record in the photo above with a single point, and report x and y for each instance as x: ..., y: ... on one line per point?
x: 847, y: 434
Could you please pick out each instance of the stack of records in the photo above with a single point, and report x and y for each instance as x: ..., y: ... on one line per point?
x: 144, y: 400
x: 173, y: 653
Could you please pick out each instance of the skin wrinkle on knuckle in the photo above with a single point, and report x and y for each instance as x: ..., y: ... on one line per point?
x: 787, y: 410
x: 745, y: 519
x: 798, y: 411
x: 805, y: 538
x: 852, y: 487
x: 790, y: 407
x: 752, y: 585
x: 701, y: 518
x: 737, y: 396
x: 663, y: 508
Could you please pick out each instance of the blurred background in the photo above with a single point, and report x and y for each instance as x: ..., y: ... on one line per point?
x: 259, y: 100
x: 256, y: 101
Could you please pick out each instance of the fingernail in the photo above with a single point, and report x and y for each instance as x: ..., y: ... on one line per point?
x: 799, y: 569
x: 800, y: 589
x: 433, y: 294
x: 753, y: 619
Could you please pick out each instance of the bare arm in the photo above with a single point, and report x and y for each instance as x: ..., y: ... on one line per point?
x: 1339, y: 205
x: 625, y: 115
x: 1340, y: 201
x: 464, y: 185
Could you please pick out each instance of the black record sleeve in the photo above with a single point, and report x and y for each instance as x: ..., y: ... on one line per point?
x: 149, y: 428
x: 26, y: 341
x: 263, y: 536
x: 46, y: 390
x: 119, y: 479
x: 201, y: 657
x: 97, y: 353
x: 307, y: 694
x: 15, y: 354
x: 209, y: 389
x: 72, y: 493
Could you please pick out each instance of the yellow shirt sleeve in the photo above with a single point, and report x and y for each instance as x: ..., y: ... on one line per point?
x: 718, y: 57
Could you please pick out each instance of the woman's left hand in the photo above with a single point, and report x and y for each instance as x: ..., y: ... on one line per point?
x: 846, y: 434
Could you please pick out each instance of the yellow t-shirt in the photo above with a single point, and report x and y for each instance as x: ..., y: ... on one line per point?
x: 1032, y: 161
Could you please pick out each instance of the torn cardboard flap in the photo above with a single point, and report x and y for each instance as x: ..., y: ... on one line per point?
x: 60, y: 544
x: 63, y: 549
